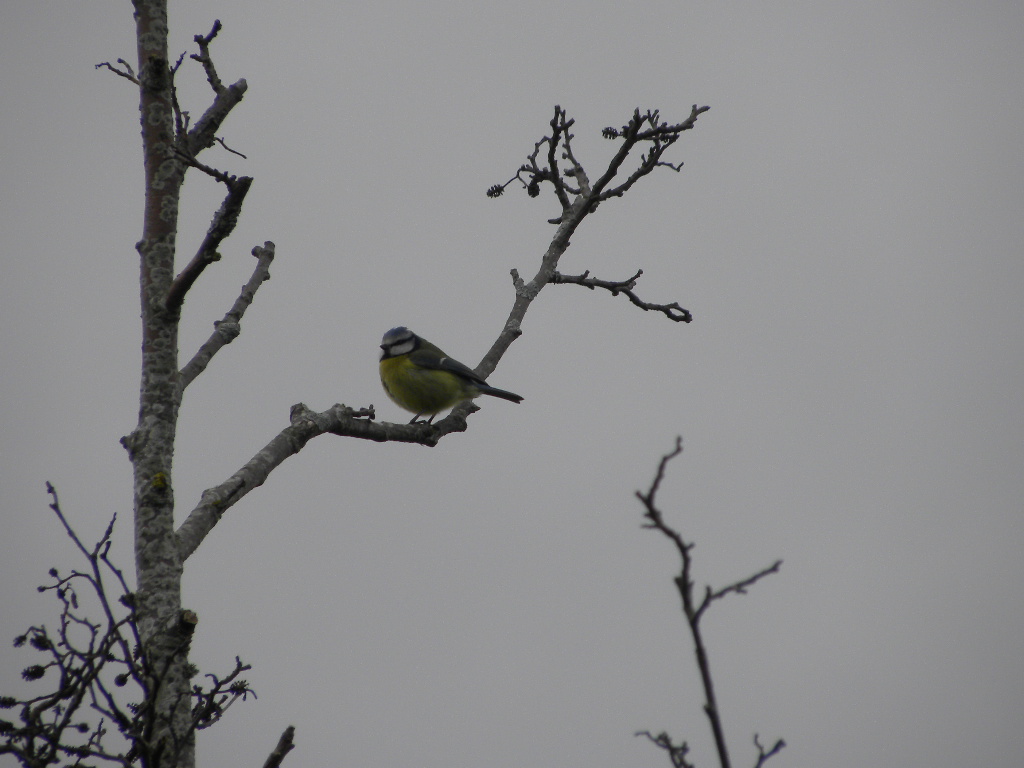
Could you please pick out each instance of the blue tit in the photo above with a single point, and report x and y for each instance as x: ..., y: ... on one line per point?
x: 421, y: 378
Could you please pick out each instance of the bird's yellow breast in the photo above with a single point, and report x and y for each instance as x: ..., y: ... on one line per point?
x: 422, y: 391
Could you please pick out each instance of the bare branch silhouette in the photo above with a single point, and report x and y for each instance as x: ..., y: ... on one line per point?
x: 672, y: 311
x: 694, y: 612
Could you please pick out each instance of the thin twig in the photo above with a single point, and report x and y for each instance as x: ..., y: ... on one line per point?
x: 229, y: 149
x: 672, y: 311
x: 739, y: 588
x: 676, y: 752
x: 762, y: 756
x: 127, y: 73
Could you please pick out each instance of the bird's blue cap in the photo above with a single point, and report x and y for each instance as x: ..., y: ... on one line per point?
x: 395, y: 335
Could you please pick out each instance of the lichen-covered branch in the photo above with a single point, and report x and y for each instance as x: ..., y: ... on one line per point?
x: 284, y: 745
x: 204, y: 132
x: 227, y: 329
x: 306, y: 424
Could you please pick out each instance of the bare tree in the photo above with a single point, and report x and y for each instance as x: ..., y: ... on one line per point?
x: 694, y: 609
x: 143, y: 640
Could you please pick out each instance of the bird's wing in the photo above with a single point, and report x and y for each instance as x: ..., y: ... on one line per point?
x: 426, y: 360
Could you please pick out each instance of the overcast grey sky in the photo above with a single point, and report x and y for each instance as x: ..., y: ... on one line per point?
x: 847, y: 231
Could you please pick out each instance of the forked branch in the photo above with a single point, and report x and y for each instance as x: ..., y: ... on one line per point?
x: 204, y: 132
x: 648, y: 129
x: 125, y: 70
x: 694, y: 612
x: 578, y: 197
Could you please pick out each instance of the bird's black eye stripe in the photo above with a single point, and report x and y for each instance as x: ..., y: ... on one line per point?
x: 390, y: 346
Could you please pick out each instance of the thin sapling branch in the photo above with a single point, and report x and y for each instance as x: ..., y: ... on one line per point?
x: 694, y: 612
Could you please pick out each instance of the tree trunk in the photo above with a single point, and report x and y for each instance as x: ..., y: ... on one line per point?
x: 164, y: 628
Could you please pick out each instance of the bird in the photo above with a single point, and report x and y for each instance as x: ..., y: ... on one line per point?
x: 422, y: 379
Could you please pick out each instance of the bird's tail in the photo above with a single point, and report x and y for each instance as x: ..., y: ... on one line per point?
x: 487, y: 389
